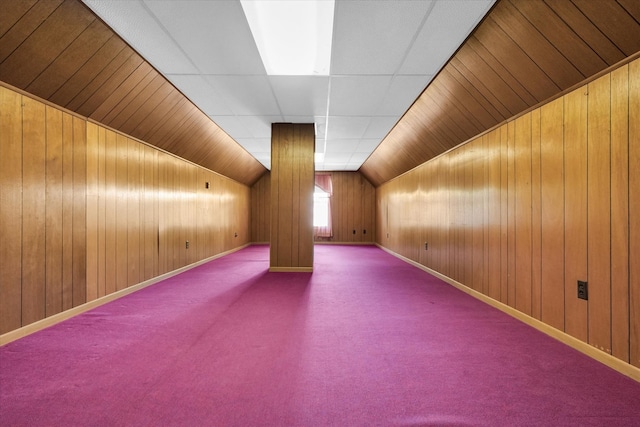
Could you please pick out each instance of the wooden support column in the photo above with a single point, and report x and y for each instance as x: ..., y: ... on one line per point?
x: 292, y: 184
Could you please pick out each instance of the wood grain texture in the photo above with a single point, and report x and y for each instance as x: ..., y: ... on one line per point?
x: 620, y: 213
x: 552, y: 214
x: 54, y: 209
x: 61, y: 52
x: 536, y: 217
x: 95, y: 200
x: 599, y: 212
x: 292, y: 183
x: 10, y: 210
x: 565, y: 178
x: 523, y: 53
x: 575, y: 216
x: 79, y: 210
x: 634, y: 212
x: 523, y: 242
x: 34, y: 210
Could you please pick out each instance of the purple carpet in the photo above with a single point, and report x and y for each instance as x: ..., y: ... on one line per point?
x: 366, y: 340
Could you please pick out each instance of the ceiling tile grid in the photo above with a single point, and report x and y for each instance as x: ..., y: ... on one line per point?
x: 207, y: 51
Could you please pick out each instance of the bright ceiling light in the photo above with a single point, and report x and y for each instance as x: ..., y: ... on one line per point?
x: 293, y: 36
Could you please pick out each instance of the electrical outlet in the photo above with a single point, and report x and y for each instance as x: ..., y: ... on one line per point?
x: 426, y: 246
x: 583, y: 290
x: 186, y: 244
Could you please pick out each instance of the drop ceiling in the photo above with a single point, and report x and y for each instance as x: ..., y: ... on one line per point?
x: 384, y: 54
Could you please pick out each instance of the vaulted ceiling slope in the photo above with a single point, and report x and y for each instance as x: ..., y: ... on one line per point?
x: 60, y: 51
x: 524, y: 52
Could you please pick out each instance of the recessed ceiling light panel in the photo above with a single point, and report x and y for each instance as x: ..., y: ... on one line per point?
x: 293, y: 37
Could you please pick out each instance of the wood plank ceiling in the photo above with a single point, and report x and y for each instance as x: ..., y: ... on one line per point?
x: 524, y: 52
x: 61, y: 52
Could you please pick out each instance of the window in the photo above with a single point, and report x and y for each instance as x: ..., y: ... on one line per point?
x: 320, y: 208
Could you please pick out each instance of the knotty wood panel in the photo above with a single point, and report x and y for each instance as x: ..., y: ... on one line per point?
x: 95, y: 200
x: 292, y: 182
x: 565, y: 176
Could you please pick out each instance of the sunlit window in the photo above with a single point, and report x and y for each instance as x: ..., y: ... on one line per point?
x: 320, y: 208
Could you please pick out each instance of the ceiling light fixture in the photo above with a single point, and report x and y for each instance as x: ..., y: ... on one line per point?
x: 293, y: 37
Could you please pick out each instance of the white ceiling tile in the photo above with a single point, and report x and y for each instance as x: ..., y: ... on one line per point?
x: 246, y: 95
x: 380, y: 127
x: 342, y: 145
x: 347, y: 127
x: 255, y: 145
x: 372, y: 37
x: 260, y: 126
x: 384, y: 54
x: 301, y: 95
x: 333, y: 166
x: 401, y: 94
x: 358, y: 158
x: 136, y: 25
x: 235, y: 126
x: 214, y: 34
x: 447, y: 26
x: 357, y: 95
x: 367, y: 145
x: 200, y: 92
x: 337, y: 157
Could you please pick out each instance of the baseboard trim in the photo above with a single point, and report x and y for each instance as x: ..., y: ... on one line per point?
x: 290, y: 269
x: 57, y: 318
x: 593, y: 352
x: 320, y: 242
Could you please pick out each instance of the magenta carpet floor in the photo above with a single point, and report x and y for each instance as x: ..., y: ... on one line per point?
x: 366, y: 340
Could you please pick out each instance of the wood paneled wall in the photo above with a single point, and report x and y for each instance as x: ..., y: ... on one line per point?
x: 523, y: 212
x: 292, y: 182
x: 353, y: 208
x: 86, y: 211
x: 261, y: 209
x: 59, y: 50
x: 523, y: 53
